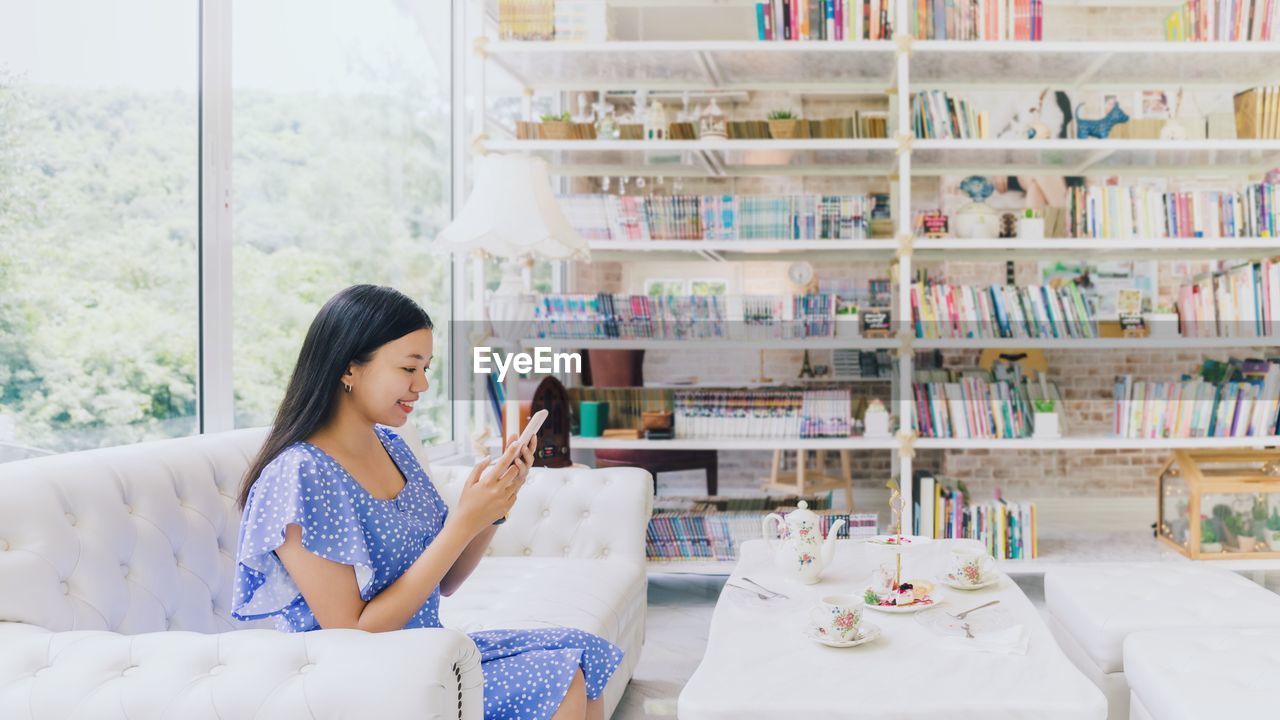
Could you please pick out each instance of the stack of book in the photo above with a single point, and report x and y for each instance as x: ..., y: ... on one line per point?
x: 526, y: 19
x: 1223, y: 20
x: 1008, y: 529
x: 935, y: 114
x: 1243, y: 301
x: 978, y: 19
x: 1258, y: 113
x: 862, y: 125
x: 752, y: 414
x: 719, y: 217
x: 714, y: 536
x: 861, y: 364
x: 825, y: 19
x: 748, y: 130
x: 684, y: 317
x: 1246, y: 404
x: 607, y: 316
x: 975, y: 404
x: 1139, y: 212
x: 940, y: 310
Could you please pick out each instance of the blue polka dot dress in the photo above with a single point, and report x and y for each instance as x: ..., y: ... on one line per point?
x: 526, y: 672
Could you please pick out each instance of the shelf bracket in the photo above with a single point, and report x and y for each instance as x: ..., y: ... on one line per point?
x: 1084, y: 167
x: 907, y: 442
x: 712, y: 162
x: 709, y: 67
x: 712, y: 255
x: 1092, y: 70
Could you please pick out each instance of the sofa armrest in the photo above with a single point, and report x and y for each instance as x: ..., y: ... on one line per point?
x: 569, y: 512
x: 422, y: 673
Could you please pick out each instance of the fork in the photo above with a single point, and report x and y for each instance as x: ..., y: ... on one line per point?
x: 961, y: 616
x: 760, y: 595
x: 771, y: 592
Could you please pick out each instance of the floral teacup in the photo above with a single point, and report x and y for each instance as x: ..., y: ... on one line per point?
x: 838, y: 617
x: 970, y: 567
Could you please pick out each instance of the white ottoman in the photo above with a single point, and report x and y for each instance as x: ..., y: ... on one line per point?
x: 1203, y: 673
x: 1092, y: 608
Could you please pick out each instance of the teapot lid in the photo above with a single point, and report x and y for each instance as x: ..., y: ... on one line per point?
x: 802, y: 513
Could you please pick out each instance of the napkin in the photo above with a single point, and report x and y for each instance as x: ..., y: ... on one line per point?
x: 1009, y: 641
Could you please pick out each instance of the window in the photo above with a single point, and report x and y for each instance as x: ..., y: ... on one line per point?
x: 99, y: 160
x: 341, y: 176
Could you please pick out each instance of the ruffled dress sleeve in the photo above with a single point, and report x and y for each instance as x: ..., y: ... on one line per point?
x: 295, y: 489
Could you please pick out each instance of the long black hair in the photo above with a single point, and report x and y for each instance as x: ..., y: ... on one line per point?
x: 348, y: 329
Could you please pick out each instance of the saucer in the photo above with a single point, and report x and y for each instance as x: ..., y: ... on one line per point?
x: 936, y: 600
x: 945, y: 580
x: 869, y: 632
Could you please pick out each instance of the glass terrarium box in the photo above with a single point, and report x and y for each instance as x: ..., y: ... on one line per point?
x: 1221, y: 503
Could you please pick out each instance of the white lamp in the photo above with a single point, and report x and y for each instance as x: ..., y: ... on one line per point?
x: 512, y: 214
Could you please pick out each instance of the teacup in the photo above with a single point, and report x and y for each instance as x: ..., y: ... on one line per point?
x: 838, y: 617
x: 970, y: 567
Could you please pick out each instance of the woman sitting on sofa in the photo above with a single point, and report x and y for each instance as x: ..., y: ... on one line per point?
x: 342, y: 528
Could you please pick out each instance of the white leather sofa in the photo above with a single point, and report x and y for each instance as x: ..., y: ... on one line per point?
x: 116, y: 577
x: 1094, y: 608
x: 1199, y: 673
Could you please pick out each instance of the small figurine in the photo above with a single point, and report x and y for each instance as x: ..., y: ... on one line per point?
x: 713, y: 123
x: 1101, y: 127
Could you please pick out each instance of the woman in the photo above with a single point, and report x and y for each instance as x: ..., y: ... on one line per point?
x: 343, y: 529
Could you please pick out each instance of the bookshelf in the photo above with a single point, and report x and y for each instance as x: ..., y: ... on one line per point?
x: 752, y: 65
x: 878, y: 157
x: 892, y: 71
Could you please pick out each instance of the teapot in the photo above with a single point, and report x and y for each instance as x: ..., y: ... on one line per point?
x: 803, y: 552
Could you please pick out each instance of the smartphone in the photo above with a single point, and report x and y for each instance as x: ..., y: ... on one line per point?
x: 530, y: 430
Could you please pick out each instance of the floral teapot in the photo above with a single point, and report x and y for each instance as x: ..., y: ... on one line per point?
x: 802, y: 552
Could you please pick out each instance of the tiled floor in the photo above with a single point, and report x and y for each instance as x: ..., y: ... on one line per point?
x: 680, y: 609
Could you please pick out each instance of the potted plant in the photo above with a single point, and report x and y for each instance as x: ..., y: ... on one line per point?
x: 1241, y: 527
x: 1273, y: 529
x: 783, y: 124
x: 1209, y: 542
x: 557, y: 127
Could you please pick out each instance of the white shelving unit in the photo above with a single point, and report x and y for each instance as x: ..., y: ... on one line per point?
x: 936, y: 249
x: 877, y: 157
x: 894, y: 70
x: 871, y: 65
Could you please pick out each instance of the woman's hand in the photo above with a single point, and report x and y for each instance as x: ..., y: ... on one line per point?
x: 490, y: 490
x: 524, y: 460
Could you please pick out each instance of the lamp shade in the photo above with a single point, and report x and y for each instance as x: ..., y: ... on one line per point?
x: 512, y: 213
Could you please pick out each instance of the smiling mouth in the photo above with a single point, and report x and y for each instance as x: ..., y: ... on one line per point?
x: 406, y: 407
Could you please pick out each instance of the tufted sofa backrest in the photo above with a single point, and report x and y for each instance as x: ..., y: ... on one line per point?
x: 138, y: 538
x: 571, y: 512
x: 142, y: 538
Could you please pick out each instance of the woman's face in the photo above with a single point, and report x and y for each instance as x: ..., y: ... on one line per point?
x: 385, y: 388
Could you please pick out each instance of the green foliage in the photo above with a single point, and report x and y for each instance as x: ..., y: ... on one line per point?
x: 98, y: 247
x: 1207, y: 533
x: 1239, y: 525
x: 870, y: 597
x: 562, y: 117
x: 781, y: 115
x: 1273, y: 522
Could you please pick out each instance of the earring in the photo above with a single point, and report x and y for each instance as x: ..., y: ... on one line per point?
x: 347, y: 388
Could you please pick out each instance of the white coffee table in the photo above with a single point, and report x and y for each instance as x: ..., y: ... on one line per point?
x: 759, y: 665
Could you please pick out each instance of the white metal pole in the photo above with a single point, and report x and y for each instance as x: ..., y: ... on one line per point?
x: 215, y: 405
x: 906, y: 359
